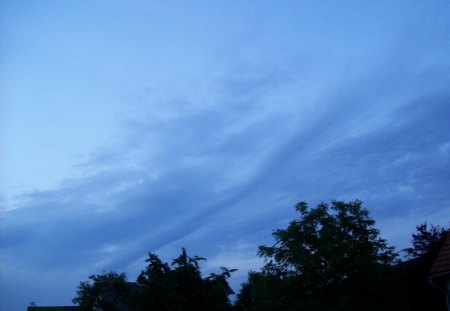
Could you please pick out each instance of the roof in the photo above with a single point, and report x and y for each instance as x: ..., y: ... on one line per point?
x: 60, y: 308
x: 441, y: 264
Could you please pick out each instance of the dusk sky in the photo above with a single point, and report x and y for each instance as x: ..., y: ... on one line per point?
x: 129, y: 127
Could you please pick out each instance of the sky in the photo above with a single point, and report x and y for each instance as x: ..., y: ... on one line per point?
x: 129, y: 127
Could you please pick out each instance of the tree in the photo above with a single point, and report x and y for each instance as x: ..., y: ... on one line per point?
x: 187, y: 282
x: 156, y: 291
x: 426, y: 243
x: 217, y: 290
x: 331, y: 258
x: 159, y: 286
x: 181, y: 286
x: 90, y: 294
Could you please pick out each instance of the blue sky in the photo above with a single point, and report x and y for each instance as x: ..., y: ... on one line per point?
x: 136, y: 126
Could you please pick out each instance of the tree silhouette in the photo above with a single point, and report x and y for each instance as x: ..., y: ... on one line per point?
x: 331, y: 258
x: 181, y: 286
x: 102, y: 291
x: 426, y: 243
x: 159, y: 286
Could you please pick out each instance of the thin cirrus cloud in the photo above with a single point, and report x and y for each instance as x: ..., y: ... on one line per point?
x: 198, y: 192
x: 200, y: 178
x: 215, y: 163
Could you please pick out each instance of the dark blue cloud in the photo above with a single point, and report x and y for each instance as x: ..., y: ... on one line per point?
x: 218, y: 171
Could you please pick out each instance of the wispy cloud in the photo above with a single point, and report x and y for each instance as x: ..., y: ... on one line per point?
x: 207, y: 162
x: 215, y: 164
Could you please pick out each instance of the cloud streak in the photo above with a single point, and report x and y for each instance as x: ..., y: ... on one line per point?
x: 215, y: 164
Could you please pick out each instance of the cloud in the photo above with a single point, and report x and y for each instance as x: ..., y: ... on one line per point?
x: 208, y: 166
x: 214, y: 165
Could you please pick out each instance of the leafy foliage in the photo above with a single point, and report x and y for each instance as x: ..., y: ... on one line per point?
x: 426, y: 243
x: 182, y: 286
x: 331, y: 258
x: 160, y: 287
x: 89, y: 293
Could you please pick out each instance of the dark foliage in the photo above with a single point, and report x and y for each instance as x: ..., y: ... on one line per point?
x: 331, y: 258
x: 91, y: 294
x: 426, y: 243
x: 159, y: 287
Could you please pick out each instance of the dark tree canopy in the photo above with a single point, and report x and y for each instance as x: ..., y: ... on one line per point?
x: 160, y: 286
x: 89, y: 293
x: 426, y: 243
x: 328, y: 244
x: 329, y: 259
x: 181, y: 286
